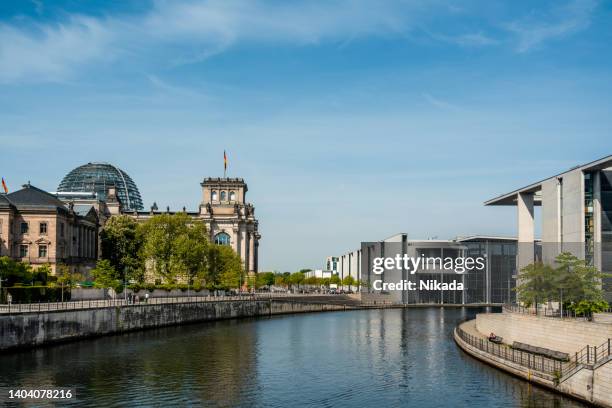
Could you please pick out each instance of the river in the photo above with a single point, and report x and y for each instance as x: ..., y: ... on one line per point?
x: 370, y: 358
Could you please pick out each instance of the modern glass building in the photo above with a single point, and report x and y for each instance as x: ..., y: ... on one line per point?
x: 493, y: 284
x: 576, y: 216
x: 496, y: 283
x: 97, y: 178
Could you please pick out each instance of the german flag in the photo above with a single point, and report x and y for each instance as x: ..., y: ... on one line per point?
x: 4, y: 186
x: 224, y: 161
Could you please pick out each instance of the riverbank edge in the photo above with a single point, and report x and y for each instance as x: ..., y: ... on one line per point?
x: 30, y: 330
x: 517, y: 370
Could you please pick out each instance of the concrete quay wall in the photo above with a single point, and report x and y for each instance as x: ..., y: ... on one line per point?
x: 24, y: 330
x: 590, y: 385
x: 567, y: 335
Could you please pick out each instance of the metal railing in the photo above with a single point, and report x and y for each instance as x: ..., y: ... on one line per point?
x: 586, y: 357
x: 548, y: 312
x: 532, y: 361
x: 41, y: 307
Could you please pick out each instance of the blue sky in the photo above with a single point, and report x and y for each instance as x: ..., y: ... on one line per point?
x: 350, y: 120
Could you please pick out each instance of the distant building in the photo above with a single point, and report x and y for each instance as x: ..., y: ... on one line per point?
x: 38, y: 228
x: 320, y: 273
x: 331, y: 263
x: 493, y: 284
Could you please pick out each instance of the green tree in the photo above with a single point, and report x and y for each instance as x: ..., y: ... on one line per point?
x: 572, y: 282
x: 225, y: 270
x: 348, y: 281
x: 537, y: 284
x: 280, y: 280
x: 296, y: 278
x: 265, y: 279
x: 66, y: 278
x: 121, y: 244
x: 190, y: 253
x: 335, y: 280
x: 105, y: 275
x: 163, y: 237
x: 40, y: 275
x: 14, y: 272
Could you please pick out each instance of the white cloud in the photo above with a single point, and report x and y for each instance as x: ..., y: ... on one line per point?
x: 179, y: 32
x: 190, y: 30
x: 534, y: 30
x: 51, y: 53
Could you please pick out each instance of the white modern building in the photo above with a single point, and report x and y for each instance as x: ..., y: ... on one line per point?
x: 576, y: 216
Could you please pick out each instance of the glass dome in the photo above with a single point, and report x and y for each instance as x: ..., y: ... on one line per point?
x: 98, y: 177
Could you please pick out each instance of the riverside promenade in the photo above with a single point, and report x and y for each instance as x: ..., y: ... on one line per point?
x: 36, y: 324
x: 586, y: 371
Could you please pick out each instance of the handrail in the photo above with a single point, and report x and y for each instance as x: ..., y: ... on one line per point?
x: 548, y: 312
x: 532, y: 361
x: 587, y: 356
x: 94, y: 304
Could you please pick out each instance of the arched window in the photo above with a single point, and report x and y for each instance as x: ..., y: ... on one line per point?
x: 223, y: 196
x: 232, y: 196
x: 222, y: 239
x: 213, y: 196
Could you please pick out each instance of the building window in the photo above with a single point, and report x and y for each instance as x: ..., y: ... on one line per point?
x: 42, y: 251
x: 43, y: 228
x: 23, y: 251
x: 232, y: 196
x: 223, y: 196
x: 213, y: 196
x: 222, y: 239
x: 24, y: 227
x: 62, y: 230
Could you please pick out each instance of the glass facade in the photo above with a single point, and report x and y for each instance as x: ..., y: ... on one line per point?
x: 496, y: 283
x: 606, y: 229
x: 97, y: 178
x: 589, y: 219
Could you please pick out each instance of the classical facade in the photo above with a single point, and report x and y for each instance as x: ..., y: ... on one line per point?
x: 38, y: 228
x: 63, y: 227
x: 229, y: 218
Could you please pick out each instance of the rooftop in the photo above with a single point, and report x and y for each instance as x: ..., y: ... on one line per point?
x: 510, y: 198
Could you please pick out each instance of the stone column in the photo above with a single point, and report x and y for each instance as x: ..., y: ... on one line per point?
x: 243, y: 247
x: 251, y: 253
x: 525, y: 230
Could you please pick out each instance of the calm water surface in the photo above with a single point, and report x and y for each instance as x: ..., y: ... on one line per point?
x: 372, y: 358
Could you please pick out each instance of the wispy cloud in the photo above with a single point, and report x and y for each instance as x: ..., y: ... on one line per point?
x: 186, y: 31
x: 439, y: 103
x: 476, y: 39
x: 51, y: 52
x: 192, y: 30
x: 535, y: 29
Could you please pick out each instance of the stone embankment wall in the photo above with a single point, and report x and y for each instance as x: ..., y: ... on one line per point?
x: 33, y: 329
x: 589, y: 383
x: 567, y: 335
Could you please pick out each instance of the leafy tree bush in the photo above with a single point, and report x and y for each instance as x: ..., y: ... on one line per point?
x: 105, y: 275
x: 572, y: 282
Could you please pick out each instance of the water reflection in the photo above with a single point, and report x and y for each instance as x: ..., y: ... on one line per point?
x: 400, y: 357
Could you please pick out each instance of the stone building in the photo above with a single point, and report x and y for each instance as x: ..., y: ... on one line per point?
x: 38, y: 228
x: 229, y: 218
